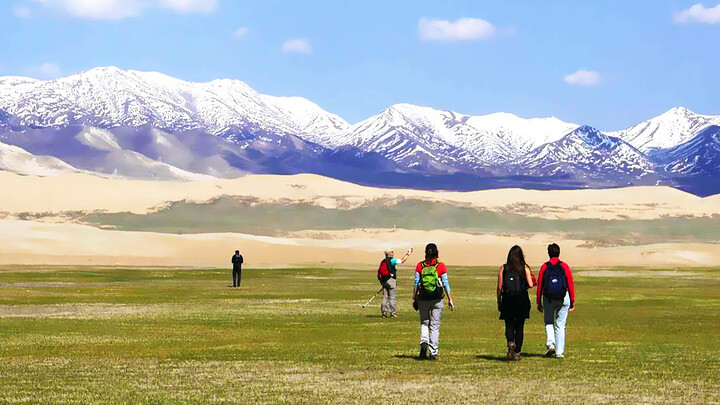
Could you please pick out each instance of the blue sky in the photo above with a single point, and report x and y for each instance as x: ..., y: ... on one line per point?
x: 636, y: 58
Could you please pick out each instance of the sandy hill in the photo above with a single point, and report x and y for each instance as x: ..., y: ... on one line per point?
x: 83, y: 192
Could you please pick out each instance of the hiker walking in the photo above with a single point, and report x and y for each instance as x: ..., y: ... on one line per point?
x: 514, y: 280
x: 388, y: 279
x: 431, y: 285
x: 237, y: 261
x: 555, y: 297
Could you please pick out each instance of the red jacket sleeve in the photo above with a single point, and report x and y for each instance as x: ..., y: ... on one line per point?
x: 441, y: 269
x: 539, y: 285
x: 571, y: 282
x: 418, y: 268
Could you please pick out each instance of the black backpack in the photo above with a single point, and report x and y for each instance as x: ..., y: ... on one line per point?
x: 514, y: 284
x: 554, y: 282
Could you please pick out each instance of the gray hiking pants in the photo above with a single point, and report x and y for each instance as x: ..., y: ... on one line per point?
x: 430, y: 312
x: 388, y: 302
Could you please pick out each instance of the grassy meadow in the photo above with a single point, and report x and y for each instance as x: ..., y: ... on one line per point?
x: 249, y: 215
x: 164, y: 335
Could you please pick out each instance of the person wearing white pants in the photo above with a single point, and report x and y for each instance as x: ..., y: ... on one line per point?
x: 556, y: 298
x: 555, y: 314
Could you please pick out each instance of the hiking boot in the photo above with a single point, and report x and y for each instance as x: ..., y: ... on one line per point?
x: 516, y: 356
x: 393, y: 315
x: 432, y: 357
x: 384, y: 315
x: 423, y: 351
x: 511, y: 351
x: 550, y: 350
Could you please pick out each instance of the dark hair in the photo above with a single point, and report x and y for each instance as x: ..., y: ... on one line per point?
x: 237, y: 252
x: 431, y: 251
x: 516, y: 260
x: 553, y: 250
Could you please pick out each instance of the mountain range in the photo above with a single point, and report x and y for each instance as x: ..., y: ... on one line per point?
x: 149, y: 125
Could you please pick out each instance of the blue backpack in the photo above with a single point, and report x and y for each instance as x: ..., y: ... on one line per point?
x: 555, y: 283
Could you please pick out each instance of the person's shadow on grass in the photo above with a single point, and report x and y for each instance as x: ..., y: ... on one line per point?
x: 406, y: 356
x: 504, y: 358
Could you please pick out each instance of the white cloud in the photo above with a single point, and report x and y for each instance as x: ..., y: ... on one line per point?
x: 189, y: 6
x: 698, y: 13
x: 119, y: 9
x: 47, y: 70
x: 297, y: 45
x: 97, y: 9
x: 21, y: 12
x: 583, y: 78
x: 240, y: 32
x: 464, y: 29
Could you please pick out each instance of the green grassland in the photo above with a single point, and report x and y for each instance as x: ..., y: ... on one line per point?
x: 229, y: 214
x: 161, y: 335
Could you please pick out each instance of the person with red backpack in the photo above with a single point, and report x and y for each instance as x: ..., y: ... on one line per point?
x: 514, y: 280
x: 555, y: 297
x: 431, y: 285
x: 388, y: 280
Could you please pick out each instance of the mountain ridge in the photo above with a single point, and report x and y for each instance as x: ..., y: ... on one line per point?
x: 224, y: 128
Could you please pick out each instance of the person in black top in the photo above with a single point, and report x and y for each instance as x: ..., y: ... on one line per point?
x: 514, y: 280
x: 237, y: 261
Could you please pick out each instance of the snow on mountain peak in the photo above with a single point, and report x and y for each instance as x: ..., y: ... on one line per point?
x: 673, y: 127
x: 110, y: 97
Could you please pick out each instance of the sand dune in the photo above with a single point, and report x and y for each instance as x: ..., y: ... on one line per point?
x: 82, y: 192
x: 27, y: 242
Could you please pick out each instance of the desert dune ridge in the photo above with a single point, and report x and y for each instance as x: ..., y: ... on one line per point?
x: 29, y: 242
x: 88, y: 193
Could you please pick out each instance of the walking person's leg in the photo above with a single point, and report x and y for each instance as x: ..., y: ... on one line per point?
x: 549, y: 317
x: 519, y: 324
x: 385, y: 300
x: 239, y: 276
x: 392, y: 292
x: 562, y: 315
x: 510, y: 337
x: 424, y: 310
x: 234, y: 277
x: 435, y: 313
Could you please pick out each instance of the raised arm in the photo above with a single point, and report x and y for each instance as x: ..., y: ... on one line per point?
x: 404, y: 258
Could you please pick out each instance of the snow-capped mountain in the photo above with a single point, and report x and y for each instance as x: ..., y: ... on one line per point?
x: 152, y: 126
x: 667, y: 130
x: 109, y: 97
x: 417, y: 136
x: 698, y: 156
x: 586, y: 152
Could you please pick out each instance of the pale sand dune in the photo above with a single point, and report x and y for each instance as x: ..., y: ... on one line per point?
x: 82, y: 192
x: 26, y: 242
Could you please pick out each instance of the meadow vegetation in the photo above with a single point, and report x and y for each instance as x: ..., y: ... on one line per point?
x: 242, y: 215
x: 299, y: 335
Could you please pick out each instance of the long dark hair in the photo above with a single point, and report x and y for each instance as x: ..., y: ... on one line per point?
x: 431, y: 252
x: 516, y: 260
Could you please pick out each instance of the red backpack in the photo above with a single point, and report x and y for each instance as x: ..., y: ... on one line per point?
x: 383, y: 273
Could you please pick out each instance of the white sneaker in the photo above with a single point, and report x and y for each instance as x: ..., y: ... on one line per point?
x: 559, y: 356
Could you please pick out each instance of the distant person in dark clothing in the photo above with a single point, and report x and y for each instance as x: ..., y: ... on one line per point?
x: 237, y: 261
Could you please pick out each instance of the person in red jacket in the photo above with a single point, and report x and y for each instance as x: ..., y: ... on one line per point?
x: 556, y: 298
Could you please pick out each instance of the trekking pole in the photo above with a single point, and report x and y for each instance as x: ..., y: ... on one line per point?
x: 372, y: 298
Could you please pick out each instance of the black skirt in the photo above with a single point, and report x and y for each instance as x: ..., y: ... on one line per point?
x: 515, y: 307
